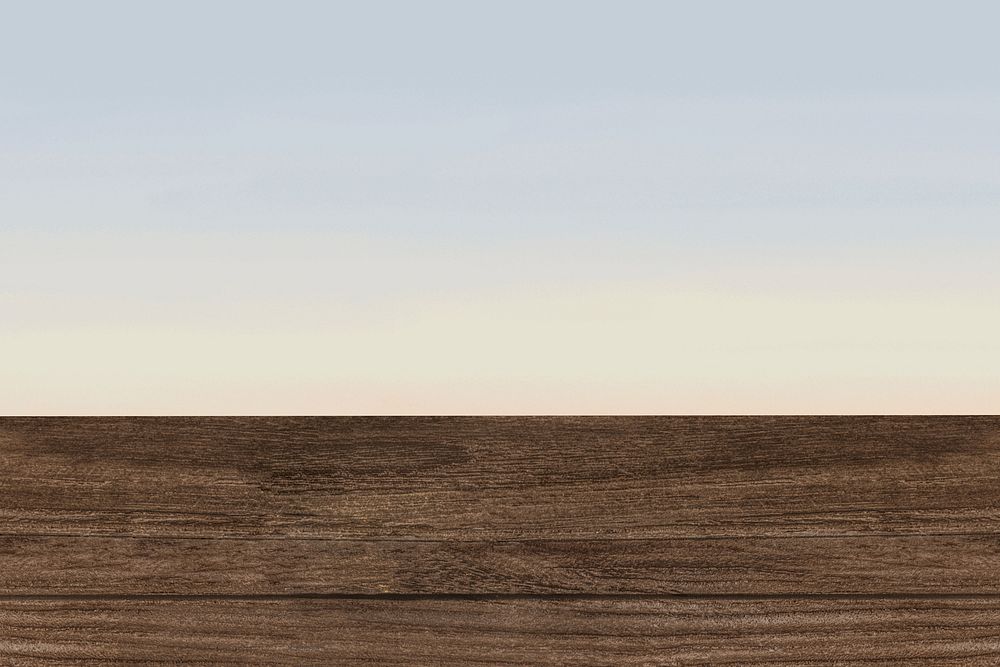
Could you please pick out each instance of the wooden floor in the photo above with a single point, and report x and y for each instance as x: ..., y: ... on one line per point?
x: 521, y: 541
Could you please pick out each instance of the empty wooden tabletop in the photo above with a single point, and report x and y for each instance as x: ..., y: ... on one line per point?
x: 489, y: 540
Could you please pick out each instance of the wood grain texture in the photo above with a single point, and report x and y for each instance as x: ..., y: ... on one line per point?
x: 508, y: 632
x: 501, y: 478
x: 534, y: 541
x: 744, y: 566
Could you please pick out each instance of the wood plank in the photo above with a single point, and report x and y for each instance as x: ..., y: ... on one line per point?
x: 502, y: 631
x: 90, y: 565
x: 500, y: 478
x: 531, y: 541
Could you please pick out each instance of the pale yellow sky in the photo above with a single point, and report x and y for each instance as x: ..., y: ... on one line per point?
x: 209, y: 338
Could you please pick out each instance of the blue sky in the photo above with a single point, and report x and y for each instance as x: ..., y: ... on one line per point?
x: 477, y: 185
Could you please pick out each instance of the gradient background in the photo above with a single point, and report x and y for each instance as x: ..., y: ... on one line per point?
x: 499, y: 207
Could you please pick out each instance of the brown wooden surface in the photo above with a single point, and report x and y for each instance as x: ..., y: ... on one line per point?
x: 709, y: 540
x: 743, y: 566
x: 501, y: 478
x: 507, y: 631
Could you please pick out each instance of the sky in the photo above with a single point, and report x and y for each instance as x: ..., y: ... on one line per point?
x: 546, y: 207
